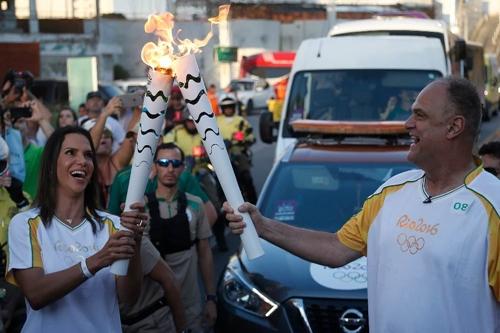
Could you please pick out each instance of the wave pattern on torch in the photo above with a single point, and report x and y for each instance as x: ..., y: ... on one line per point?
x: 201, y: 110
x: 189, y: 77
x: 152, y: 118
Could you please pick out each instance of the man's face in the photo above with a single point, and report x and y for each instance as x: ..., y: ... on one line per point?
x: 168, y: 175
x: 21, y: 125
x: 490, y: 161
x: 94, y: 104
x: 9, y: 94
x: 228, y: 110
x: 176, y: 101
x: 428, y: 125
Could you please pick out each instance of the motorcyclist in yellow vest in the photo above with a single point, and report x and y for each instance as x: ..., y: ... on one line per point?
x: 238, y: 136
x: 185, y: 136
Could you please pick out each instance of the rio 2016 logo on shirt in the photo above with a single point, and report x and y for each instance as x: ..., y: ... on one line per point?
x: 406, y: 222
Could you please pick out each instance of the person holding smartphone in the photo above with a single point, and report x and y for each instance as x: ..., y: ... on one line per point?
x: 109, y: 162
x: 95, y: 107
x: 12, y: 91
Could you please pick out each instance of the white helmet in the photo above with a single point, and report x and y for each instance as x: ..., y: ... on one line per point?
x: 228, y: 100
x: 88, y: 123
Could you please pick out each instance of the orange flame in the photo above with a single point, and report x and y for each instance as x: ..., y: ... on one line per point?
x: 169, y: 47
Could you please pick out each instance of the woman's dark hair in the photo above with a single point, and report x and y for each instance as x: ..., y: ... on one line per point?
x: 73, y: 113
x: 46, y: 196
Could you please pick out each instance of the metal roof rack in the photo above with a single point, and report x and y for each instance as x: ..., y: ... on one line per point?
x: 321, y: 132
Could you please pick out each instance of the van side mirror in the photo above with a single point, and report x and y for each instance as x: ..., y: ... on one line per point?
x: 266, y: 127
x: 469, y: 64
x: 460, y: 49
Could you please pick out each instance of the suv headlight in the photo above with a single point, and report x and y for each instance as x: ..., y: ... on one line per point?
x: 241, y: 294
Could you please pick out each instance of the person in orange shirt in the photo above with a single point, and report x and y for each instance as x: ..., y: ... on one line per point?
x: 212, y: 97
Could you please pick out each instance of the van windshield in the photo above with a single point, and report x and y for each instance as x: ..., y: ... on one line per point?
x: 362, y: 95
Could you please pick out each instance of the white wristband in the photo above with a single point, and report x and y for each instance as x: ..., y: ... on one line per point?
x: 85, y: 269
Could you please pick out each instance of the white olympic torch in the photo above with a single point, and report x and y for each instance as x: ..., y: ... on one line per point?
x: 150, y: 125
x: 193, y: 90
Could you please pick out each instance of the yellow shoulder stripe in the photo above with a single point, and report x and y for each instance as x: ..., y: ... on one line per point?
x: 354, y: 234
x: 110, y: 225
x: 493, y: 246
x: 36, y: 251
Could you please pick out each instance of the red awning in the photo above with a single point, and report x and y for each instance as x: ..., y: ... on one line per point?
x: 261, y: 64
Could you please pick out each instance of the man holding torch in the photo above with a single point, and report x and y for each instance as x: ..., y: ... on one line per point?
x: 431, y: 236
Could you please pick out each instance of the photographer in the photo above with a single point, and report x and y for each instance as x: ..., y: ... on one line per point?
x: 8, y: 208
x: 95, y: 107
x: 13, y: 89
x: 33, y: 152
x: 31, y: 119
x: 11, y: 94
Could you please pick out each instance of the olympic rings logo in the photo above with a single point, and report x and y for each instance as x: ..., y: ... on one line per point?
x: 352, y: 276
x: 410, y: 244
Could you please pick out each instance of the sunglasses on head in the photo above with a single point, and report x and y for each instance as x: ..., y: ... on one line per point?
x: 165, y: 162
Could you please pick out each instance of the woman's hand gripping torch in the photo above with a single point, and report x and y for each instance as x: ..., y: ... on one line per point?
x: 150, y: 125
x: 193, y: 89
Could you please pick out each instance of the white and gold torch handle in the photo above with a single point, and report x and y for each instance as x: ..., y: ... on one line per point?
x: 193, y: 90
x: 150, y: 125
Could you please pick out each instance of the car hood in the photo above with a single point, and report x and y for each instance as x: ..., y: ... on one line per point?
x: 281, y: 275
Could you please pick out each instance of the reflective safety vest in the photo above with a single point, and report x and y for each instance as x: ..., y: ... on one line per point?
x: 182, y: 138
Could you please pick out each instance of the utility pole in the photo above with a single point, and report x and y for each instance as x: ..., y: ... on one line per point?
x: 97, y: 20
x: 33, y: 18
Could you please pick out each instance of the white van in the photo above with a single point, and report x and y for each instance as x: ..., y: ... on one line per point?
x: 358, y: 78
x: 405, y: 26
x: 464, y: 59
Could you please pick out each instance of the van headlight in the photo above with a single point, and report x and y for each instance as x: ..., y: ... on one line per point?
x: 241, y: 294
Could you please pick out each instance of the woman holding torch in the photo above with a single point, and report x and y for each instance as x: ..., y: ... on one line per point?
x: 59, y: 251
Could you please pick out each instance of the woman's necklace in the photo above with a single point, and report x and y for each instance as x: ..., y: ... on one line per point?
x: 65, y: 221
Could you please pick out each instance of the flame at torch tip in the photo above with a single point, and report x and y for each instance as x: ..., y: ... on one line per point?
x: 169, y: 48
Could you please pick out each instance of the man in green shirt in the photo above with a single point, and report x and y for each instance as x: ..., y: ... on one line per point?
x: 187, y: 183
x: 32, y: 160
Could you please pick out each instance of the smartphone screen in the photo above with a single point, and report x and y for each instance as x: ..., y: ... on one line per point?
x: 24, y: 112
x: 132, y: 100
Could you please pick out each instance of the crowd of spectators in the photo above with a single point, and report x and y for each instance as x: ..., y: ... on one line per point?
x: 26, y: 125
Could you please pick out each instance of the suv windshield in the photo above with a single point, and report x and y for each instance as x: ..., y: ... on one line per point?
x: 370, y: 95
x: 323, y: 196
x: 241, y: 85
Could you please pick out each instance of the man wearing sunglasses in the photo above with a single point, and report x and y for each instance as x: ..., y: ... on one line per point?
x: 180, y: 232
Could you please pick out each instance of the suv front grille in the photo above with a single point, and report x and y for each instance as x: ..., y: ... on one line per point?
x: 324, y: 315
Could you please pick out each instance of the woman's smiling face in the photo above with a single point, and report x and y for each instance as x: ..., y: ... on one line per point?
x: 74, y: 165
